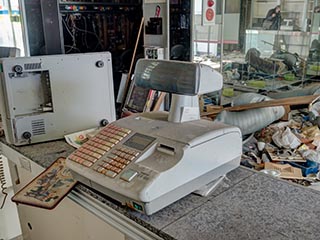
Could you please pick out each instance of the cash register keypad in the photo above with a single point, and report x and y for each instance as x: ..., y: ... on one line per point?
x: 91, y: 152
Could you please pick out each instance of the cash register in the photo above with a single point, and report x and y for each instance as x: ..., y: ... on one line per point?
x: 150, y: 160
x: 43, y: 98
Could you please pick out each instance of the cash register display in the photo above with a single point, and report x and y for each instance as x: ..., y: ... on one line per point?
x: 139, y: 141
x: 183, y: 77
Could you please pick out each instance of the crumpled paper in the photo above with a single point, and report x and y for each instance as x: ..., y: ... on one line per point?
x: 311, y: 155
x: 311, y: 132
x: 286, y: 139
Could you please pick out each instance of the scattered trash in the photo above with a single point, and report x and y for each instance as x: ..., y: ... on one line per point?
x: 288, y: 149
x: 286, y: 170
x: 277, y: 108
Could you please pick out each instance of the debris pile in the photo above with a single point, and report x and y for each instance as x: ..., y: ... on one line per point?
x: 281, y: 135
x: 289, y: 150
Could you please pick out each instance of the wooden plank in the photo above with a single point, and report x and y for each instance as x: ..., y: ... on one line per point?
x: 303, y: 100
x: 159, y: 101
x: 286, y: 102
x: 126, y: 87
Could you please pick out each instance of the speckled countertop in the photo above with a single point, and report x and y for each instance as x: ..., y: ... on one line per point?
x: 246, y: 205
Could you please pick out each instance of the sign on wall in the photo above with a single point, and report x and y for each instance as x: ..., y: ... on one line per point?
x: 208, y: 12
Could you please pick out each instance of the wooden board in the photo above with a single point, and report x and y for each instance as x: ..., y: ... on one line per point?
x: 48, y: 188
x: 286, y: 102
x: 286, y: 170
x: 303, y: 100
x: 293, y: 158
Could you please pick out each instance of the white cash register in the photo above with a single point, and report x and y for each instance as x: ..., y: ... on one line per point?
x: 150, y: 160
x: 43, y: 98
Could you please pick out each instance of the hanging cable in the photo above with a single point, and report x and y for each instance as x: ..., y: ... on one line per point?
x: 2, y: 181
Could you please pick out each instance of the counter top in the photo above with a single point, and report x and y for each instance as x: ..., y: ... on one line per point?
x: 246, y: 205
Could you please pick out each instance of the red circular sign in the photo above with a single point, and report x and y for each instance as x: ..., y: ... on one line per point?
x: 210, y: 3
x: 209, y: 14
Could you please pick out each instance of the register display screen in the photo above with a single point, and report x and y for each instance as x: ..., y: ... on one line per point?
x: 139, y: 141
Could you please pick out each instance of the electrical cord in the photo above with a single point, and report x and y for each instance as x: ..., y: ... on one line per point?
x: 82, y: 30
x: 2, y: 181
x: 72, y: 34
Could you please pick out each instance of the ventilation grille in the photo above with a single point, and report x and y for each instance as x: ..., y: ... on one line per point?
x: 31, y: 66
x: 38, y: 127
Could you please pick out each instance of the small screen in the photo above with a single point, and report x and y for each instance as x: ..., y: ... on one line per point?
x: 139, y: 141
x: 168, y: 76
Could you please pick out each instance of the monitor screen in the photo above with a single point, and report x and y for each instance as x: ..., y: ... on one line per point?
x: 139, y: 141
x: 168, y: 76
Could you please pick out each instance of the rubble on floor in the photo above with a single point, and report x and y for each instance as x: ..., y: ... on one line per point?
x: 288, y: 149
x: 281, y: 135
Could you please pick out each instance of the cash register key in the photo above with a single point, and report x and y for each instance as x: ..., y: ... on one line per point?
x: 118, y: 165
x: 78, y: 154
x: 104, y: 164
x: 113, y: 162
x: 109, y: 167
x: 112, y: 155
x: 110, y: 174
x: 101, y: 136
x: 104, y: 133
x: 83, y: 150
x: 107, y: 160
x: 89, y: 155
x: 73, y: 158
x: 135, y: 153
x: 89, y: 147
x: 115, y: 169
x: 98, y: 140
x: 118, y: 159
x: 122, y: 134
x: 95, y: 168
x: 91, y: 159
x: 122, y: 166
x: 126, y: 130
x: 87, y: 163
x: 80, y: 160
x: 122, y: 149
x: 94, y: 144
x: 96, y: 150
x: 128, y: 175
x: 102, y: 170
x: 109, y: 134
x: 126, y: 162
x: 115, y: 131
x: 115, y: 152
x: 106, y: 148
x: 128, y: 151
x: 115, y: 141
x: 82, y: 155
x: 95, y: 139
x: 118, y: 137
x: 129, y: 157
x: 95, y: 155
x: 109, y: 144
x: 108, y: 130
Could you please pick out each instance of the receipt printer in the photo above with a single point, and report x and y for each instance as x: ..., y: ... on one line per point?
x: 46, y: 97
